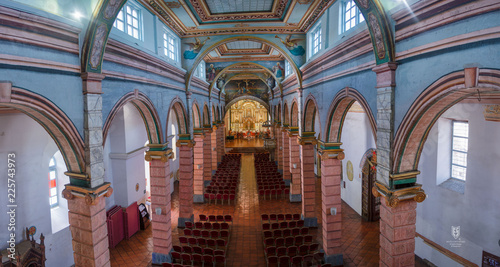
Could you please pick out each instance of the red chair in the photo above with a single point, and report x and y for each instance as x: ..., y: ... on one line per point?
x: 292, y: 224
x: 289, y: 241
x: 219, y: 252
x: 221, y: 243
x: 270, y: 251
x: 281, y: 251
x: 208, y: 251
x: 212, y: 218
x: 297, y: 261
x: 288, y: 217
x: 212, y: 197
x: 268, y: 242
x: 216, y: 226
x: 300, y: 223
x: 197, y: 258
x: 313, y: 247
x: 308, y: 239
x: 308, y: 259
x: 187, y: 249
x: 211, y: 243
x: 267, y: 193
x: 220, y: 218
x: 277, y: 233
x: 303, y: 250
x: 214, y: 234
x: 220, y: 259
x: 224, y: 234
x: 166, y: 264
x: 283, y: 225
x: 262, y: 193
x: 198, y: 225
x: 196, y: 233
x: 272, y: 261
x: 183, y: 240
x: 292, y: 251
x: 176, y: 256
x: 299, y: 240
x: 192, y: 241
x: 207, y: 226
x: 201, y: 241
x: 284, y: 261
x: 228, y: 218
x: 208, y: 259
x: 225, y: 198
x: 304, y: 231
x: 319, y: 256
x: 273, y: 217
x: 296, y: 231
x: 178, y: 265
x: 224, y: 226
x: 279, y: 242
x: 268, y: 234
x: 275, y: 226
x: 197, y: 250
x: 218, y: 197
x: 272, y: 193
x: 189, y: 225
x: 266, y: 226
x: 232, y: 197
x: 207, y: 196
x: 188, y: 232
x: 205, y: 234
x: 177, y: 248
x: 287, y: 233
x: 296, y: 217
x: 186, y: 258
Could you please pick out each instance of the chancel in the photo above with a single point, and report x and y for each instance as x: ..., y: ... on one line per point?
x: 249, y: 133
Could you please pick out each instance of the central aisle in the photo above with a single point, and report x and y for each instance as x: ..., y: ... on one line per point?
x: 245, y: 247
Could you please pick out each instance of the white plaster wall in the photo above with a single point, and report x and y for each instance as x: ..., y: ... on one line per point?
x: 477, y: 210
x: 357, y: 138
x: 34, y: 148
x: 174, y: 163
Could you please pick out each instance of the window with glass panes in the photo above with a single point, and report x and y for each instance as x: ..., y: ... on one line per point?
x: 288, y: 68
x: 128, y: 21
x: 53, y: 183
x: 459, y: 148
x: 316, y: 40
x: 201, y: 70
x: 352, y: 16
x: 170, y: 45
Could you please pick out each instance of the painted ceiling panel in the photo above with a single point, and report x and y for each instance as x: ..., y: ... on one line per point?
x: 239, y: 6
x: 237, y: 45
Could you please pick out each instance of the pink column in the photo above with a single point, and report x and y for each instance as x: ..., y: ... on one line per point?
x: 214, y: 148
x: 397, y: 233
x: 294, y: 156
x: 185, y: 179
x: 198, y: 172
x: 160, y: 201
x: 285, y: 154
x: 218, y: 147
x: 207, y: 156
x: 87, y: 220
x: 331, y: 165
x: 279, y: 155
x: 308, y: 180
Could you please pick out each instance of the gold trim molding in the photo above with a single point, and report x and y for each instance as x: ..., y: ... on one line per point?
x: 91, y: 195
x: 163, y: 155
x: 307, y: 140
x: 393, y: 197
x: 188, y: 143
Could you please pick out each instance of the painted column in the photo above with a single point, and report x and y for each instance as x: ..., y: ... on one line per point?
x: 398, y: 211
x: 331, y: 166
x: 214, y: 148
x: 185, y: 145
x: 285, y: 154
x: 218, y: 141
x: 279, y: 148
x: 221, y: 141
x: 159, y: 156
x: 198, y: 172
x: 294, y: 156
x: 87, y: 213
x: 207, y: 156
x: 307, y: 142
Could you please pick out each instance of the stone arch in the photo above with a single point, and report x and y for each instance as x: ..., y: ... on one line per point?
x: 279, y: 111
x: 294, y: 114
x: 245, y: 74
x: 341, y: 103
x: 213, y: 113
x: 286, y: 114
x: 206, y: 115
x: 380, y: 30
x: 200, y: 56
x: 431, y: 104
x: 148, y: 113
x: 197, y: 120
x: 249, y: 97
x: 54, y: 121
x: 177, y: 106
x: 310, y: 113
x: 210, y: 89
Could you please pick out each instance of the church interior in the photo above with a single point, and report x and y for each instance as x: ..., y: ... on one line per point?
x: 249, y: 133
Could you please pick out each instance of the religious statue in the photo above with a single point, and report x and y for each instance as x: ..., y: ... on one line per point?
x: 278, y: 72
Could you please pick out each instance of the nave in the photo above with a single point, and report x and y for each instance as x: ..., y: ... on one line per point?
x: 360, y: 239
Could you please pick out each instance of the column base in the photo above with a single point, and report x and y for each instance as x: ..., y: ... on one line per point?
x: 198, y: 199
x: 296, y: 198
x: 287, y: 182
x: 182, y: 221
x: 335, y: 259
x: 207, y: 182
x: 159, y: 258
x: 310, y: 222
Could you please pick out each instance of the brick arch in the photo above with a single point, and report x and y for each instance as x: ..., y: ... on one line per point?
x: 341, y: 103
x: 214, y: 114
x: 206, y: 115
x: 431, y: 104
x: 197, y: 120
x: 54, y: 121
x: 286, y: 114
x: 294, y: 114
x: 177, y: 106
x: 380, y: 29
x: 310, y: 113
x: 148, y: 113
x: 278, y: 110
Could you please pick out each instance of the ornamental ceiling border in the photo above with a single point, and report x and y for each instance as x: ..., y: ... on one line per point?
x: 202, y: 13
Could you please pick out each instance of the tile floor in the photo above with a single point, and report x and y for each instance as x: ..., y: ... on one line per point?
x: 360, y: 239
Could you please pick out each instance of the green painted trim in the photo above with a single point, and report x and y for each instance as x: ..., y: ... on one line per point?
x: 79, y: 182
x: 403, y: 181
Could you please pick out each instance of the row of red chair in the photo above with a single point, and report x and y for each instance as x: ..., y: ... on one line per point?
x: 291, y: 250
x: 225, y: 181
x: 191, y: 259
x: 283, y: 225
x: 289, y: 240
x: 208, y: 225
x: 220, y: 197
x: 214, y: 234
x: 277, y: 193
x: 204, y: 242
x: 209, y: 190
x: 298, y: 261
x: 280, y: 217
x: 199, y: 250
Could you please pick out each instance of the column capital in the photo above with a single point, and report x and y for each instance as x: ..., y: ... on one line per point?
x: 307, y: 138
x: 284, y: 128
x: 207, y: 128
x: 330, y: 151
x: 394, y: 196
x: 199, y: 131
x: 92, y: 82
x: 159, y: 152
x: 293, y: 131
x: 91, y: 195
x: 185, y: 140
x: 386, y: 74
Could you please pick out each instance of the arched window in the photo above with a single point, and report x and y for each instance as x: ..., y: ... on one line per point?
x: 174, y: 139
x: 54, y: 201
